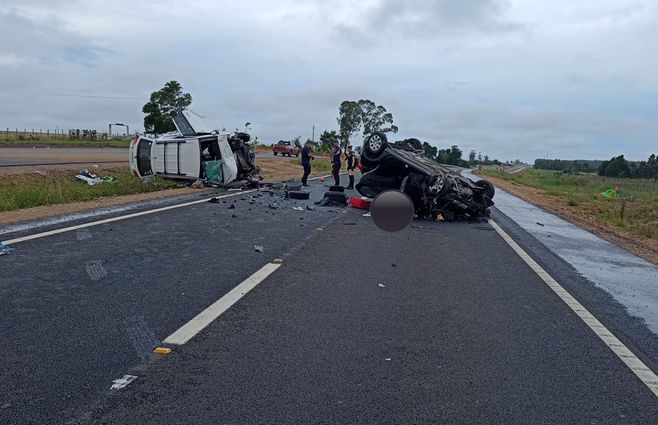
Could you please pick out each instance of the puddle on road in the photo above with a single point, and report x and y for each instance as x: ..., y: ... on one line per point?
x: 628, y: 278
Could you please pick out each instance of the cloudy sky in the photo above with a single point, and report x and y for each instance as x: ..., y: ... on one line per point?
x: 510, y: 78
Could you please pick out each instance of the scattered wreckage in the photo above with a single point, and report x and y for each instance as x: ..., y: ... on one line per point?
x: 436, y: 191
x: 194, y: 152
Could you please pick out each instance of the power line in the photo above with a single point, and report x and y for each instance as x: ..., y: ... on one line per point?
x: 72, y: 95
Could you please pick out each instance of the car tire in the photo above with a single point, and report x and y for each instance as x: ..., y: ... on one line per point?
x: 487, y: 186
x: 298, y: 194
x: 374, y: 146
x: 441, y: 185
x: 276, y: 153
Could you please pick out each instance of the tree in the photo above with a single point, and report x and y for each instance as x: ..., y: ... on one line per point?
x: 616, y: 167
x: 327, y: 140
x: 163, y: 106
x: 375, y: 118
x: 430, y: 150
x: 297, y: 141
x: 471, y: 157
x: 349, y: 120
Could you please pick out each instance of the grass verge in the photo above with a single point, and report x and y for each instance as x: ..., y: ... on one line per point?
x: 42, y: 140
x: 635, y: 211
x: 60, y: 187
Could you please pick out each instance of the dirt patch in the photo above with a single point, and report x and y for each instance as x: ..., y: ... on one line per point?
x: 642, y: 247
x: 276, y: 170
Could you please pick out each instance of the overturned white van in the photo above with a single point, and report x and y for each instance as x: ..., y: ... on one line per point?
x: 194, y: 152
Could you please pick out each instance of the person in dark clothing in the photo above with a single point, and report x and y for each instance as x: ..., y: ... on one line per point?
x: 306, y: 161
x: 351, y: 164
x: 335, y: 163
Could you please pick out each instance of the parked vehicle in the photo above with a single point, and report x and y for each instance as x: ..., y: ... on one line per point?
x: 285, y: 147
x: 194, y: 152
x: 434, y: 189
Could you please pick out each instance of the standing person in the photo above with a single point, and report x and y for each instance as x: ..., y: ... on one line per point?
x: 306, y: 161
x: 335, y: 163
x: 351, y: 163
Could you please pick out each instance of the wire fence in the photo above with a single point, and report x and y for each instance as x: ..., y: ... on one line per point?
x: 71, y: 134
x: 649, y: 186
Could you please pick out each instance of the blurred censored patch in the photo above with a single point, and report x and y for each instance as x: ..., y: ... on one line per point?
x: 83, y: 234
x: 392, y: 211
x: 95, y: 269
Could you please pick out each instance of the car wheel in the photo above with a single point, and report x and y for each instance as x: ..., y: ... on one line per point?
x: 488, y: 188
x: 276, y: 153
x: 375, y: 144
x: 440, y: 185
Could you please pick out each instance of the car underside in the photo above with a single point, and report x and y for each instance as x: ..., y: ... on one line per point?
x: 436, y: 190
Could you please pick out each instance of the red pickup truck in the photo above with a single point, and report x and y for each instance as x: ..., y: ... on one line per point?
x: 285, y: 147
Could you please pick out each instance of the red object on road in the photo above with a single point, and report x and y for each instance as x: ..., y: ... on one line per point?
x: 360, y: 202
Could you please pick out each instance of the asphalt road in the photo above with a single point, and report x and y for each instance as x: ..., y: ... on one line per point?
x: 22, y: 157
x: 440, y: 323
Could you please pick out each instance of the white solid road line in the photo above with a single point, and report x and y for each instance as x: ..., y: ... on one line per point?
x: 113, y: 219
x: 636, y: 365
x: 124, y: 217
x: 207, y: 316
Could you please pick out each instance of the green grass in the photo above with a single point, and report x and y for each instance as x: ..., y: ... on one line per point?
x: 32, y: 190
x: 635, y: 211
x: 20, y: 140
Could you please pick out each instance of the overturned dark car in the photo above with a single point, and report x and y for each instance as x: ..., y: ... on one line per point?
x: 436, y: 191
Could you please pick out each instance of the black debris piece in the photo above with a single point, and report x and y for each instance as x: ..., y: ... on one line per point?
x: 231, y: 207
x: 214, y: 200
x: 297, y: 194
x: 334, y: 199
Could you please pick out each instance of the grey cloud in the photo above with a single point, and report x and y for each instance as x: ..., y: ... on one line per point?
x: 44, y: 41
x: 423, y: 19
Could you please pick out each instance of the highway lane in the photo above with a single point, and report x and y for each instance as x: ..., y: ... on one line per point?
x: 439, y: 324
x: 22, y: 157
x: 80, y: 308
x: 462, y: 331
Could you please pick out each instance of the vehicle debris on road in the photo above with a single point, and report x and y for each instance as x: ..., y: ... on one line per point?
x: 5, y: 249
x: 258, y: 248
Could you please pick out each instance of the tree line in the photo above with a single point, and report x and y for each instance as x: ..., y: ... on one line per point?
x: 362, y: 115
x: 580, y: 166
x: 618, y: 166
